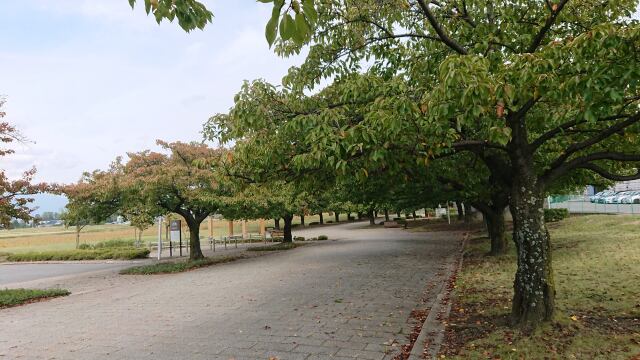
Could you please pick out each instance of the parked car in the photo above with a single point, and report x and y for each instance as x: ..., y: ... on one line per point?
x: 632, y: 198
x: 599, y: 197
x: 617, y: 199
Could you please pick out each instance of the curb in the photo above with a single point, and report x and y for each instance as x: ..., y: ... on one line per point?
x: 431, y: 335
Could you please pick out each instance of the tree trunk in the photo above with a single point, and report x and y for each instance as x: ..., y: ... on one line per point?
x: 467, y: 213
x: 359, y: 216
x: 349, y: 218
x: 460, y: 211
x: 534, y: 288
x: 496, y: 230
x: 414, y: 215
x: 386, y: 215
x: 276, y: 223
x: 195, y: 252
x: 372, y: 218
x: 288, y: 219
x: 337, y: 215
x: 321, y: 218
x: 78, y: 228
x: 302, y: 220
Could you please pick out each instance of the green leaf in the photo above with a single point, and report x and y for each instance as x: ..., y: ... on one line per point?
x: 301, y: 30
x: 287, y: 27
x: 271, y: 31
x: 310, y: 11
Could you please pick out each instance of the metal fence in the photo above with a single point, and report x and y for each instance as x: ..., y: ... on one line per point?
x: 579, y: 204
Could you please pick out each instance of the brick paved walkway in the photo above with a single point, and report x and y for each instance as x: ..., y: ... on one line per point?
x: 332, y: 300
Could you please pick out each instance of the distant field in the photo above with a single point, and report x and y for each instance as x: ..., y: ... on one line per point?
x: 59, y: 238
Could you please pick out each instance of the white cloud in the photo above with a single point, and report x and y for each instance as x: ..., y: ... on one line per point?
x: 89, y: 96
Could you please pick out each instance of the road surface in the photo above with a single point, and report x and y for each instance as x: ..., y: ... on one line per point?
x: 343, y: 299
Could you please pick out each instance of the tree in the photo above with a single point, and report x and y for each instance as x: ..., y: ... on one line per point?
x: 93, y: 199
x: 14, y: 194
x: 191, y: 14
x: 176, y: 182
x: 538, y: 91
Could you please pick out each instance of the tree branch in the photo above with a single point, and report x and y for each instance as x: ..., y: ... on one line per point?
x: 566, y: 126
x: 580, y: 162
x: 607, y: 175
x: 440, y: 31
x: 594, y: 139
x: 537, y: 40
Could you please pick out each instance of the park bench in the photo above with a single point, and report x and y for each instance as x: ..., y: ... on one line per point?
x: 276, y: 233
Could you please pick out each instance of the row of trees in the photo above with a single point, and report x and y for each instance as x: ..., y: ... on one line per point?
x: 194, y: 181
x: 498, y: 104
x: 493, y: 104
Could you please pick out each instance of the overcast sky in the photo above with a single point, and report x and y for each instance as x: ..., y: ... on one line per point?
x: 88, y: 80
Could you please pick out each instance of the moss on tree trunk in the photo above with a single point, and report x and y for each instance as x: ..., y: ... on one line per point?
x: 534, y: 288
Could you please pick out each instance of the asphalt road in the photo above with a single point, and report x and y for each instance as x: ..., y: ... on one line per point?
x: 344, y: 299
x: 18, y: 273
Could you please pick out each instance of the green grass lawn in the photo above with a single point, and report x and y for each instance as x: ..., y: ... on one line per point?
x: 596, y: 261
x: 15, y: 297
x: 276, y: 247
x: 93, y: 254
x: 179, y: 266
x: 59, y: 238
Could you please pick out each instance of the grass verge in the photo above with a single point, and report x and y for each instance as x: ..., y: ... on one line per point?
x: 15, y: 297
x: 596, y: 262
x: 177, y: 267
x: 93, y: 254
x: 277, y: 247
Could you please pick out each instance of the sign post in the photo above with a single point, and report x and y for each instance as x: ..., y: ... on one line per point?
x: 159, y: 219
x: 176, y: 233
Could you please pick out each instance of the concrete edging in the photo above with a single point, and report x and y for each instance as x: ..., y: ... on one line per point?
x: 431, y: 335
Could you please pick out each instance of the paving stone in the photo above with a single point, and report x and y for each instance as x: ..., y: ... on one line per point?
x: 331, y: 300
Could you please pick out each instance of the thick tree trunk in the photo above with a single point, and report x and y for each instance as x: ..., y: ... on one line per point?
x: 386, y: 215
x: 195, y: 252
x: 337, y: 215
x: 302, y: 220
x: 359, y: 216
x: 288, y: 219
x: 414, y: 215
x: 467, y: 213
x: 276, y: 223
x: 534, y: 288
x: 321, y: 218
x: 496, y: 230
x: 460, y: 210
x: 349, y: 217
x: 372, y: 217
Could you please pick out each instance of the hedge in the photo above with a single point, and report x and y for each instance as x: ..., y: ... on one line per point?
x: 553, y: 215
x: 96, y: 254
x: 14, y: 297
x: 176, y: 267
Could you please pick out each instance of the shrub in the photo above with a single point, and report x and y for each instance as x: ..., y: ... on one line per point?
x: 14, y: 297
x: 329, y: 222
x: 553, y: 215
x: 323, y: 237
x: 95, y: 254
x: 314, y: 223
x: 85, y: 247
x: 281, y: 246
x: 176, y: 267
x: 299, y: 238
x: 114, y: 244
